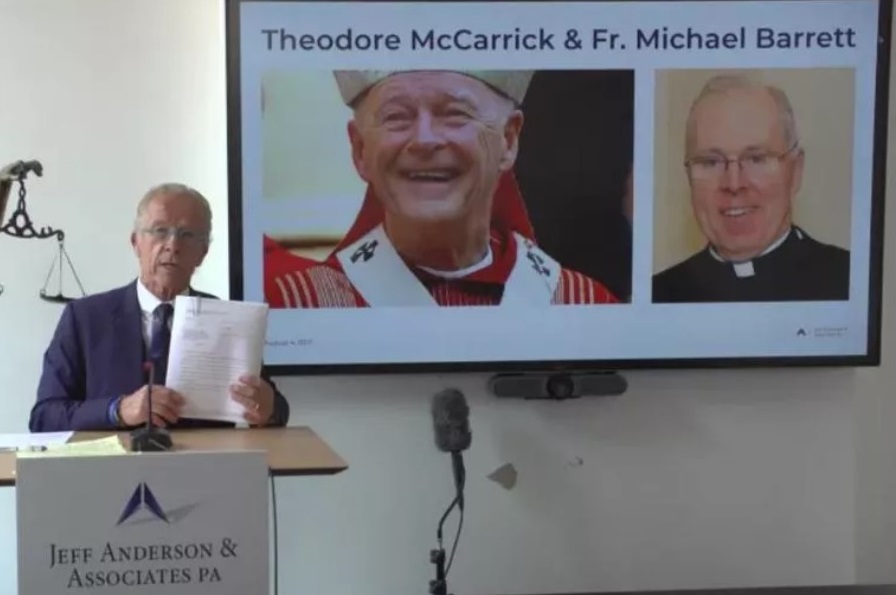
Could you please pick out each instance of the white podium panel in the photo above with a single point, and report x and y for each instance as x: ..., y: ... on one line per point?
x: 152, y: 523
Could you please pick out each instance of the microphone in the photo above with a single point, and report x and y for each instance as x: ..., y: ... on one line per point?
x: 451, y: 422
x: 150, y: 438
x: 451, y: 425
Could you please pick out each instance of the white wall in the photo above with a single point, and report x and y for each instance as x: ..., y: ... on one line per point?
x: 692, y: 479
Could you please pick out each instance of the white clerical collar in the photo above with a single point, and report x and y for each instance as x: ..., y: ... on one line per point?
x: 149, y: 302
x: 744, y: 268
x: 485, y: 262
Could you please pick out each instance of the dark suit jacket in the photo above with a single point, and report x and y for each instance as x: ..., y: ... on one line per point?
x: 96, y: 355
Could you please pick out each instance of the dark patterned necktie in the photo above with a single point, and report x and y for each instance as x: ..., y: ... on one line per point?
x: 160, y: 340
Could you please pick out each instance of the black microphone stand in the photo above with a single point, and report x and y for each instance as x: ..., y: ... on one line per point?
x: 439, y: 586
x: 150, y: 438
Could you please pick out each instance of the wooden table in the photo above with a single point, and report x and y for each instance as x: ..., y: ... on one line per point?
x: 290, y: 451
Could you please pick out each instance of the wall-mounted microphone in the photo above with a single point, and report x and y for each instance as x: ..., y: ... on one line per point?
x: 451, y: 423
x: 150, y: 438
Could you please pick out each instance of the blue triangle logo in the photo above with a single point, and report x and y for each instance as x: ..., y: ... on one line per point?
x: 142, y: 498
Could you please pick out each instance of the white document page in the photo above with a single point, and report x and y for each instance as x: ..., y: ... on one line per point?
x: 37, y: 441
x: 213, y: 343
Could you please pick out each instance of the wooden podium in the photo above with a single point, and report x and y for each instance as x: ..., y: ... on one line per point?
x: 290, y: 451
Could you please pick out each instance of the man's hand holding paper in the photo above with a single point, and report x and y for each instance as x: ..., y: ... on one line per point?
x: 215, y: 360
x: 166, y: 406
x: 256, y: 396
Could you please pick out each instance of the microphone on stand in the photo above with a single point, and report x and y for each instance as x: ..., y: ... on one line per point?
x: 150, y: 438
x: 451, y: 423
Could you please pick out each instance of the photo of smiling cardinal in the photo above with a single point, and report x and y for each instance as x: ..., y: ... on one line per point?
x: 442, y: 221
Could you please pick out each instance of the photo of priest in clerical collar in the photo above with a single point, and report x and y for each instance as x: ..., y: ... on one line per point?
x: 745, y: 165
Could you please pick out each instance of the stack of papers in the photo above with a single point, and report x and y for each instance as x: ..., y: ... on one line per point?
x: 213, y: 343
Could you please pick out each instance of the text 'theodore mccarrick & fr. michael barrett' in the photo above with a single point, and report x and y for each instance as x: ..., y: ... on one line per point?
x: 543, y: 39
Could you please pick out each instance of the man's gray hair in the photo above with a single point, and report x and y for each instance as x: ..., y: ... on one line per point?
x: 174, y: 189
x: 733, y: 82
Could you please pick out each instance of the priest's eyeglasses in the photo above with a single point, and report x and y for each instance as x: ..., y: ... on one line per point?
x: 753, y: 164
x: 162, y: 233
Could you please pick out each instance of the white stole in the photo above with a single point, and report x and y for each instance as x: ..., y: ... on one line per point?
x: 383, y: 279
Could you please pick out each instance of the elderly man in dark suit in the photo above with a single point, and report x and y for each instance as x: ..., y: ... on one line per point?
x: 93, y: 370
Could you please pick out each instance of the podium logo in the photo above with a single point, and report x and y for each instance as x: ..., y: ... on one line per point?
x: 140, y: 499
x: 144, y: 501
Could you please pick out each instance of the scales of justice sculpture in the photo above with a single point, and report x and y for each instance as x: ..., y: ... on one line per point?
x: 20, y: 226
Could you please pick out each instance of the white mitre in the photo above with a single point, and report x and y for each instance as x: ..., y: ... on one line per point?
x: 510, y: 83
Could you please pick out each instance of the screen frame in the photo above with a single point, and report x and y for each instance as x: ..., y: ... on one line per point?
x: 872, y: 358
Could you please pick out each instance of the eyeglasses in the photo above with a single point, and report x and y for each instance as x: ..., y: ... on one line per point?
x: 753, y: 164
x: 161, y: 233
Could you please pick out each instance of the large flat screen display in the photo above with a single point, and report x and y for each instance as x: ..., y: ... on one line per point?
x: 559, y: 185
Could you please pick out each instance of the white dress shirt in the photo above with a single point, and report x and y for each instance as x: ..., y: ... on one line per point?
x: 148, y: 304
